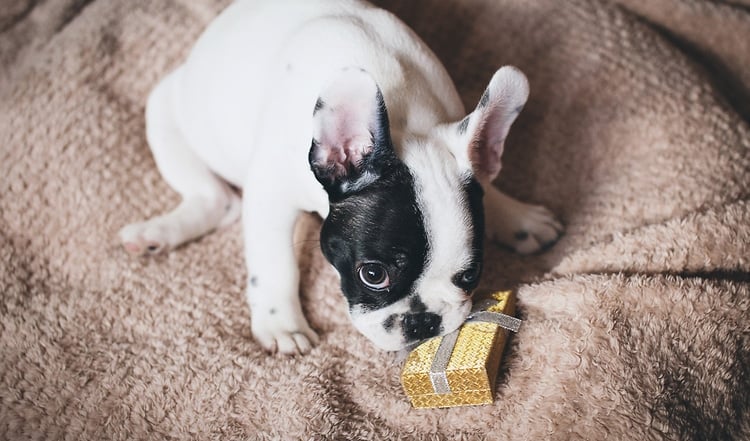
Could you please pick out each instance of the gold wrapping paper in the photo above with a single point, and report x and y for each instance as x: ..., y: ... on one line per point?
x: 472, y: 367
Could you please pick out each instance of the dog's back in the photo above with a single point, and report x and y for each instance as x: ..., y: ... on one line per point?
x: 256, y: 72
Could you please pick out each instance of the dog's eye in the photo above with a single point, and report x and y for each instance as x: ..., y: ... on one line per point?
x: 468, y: 277
x: 374, y: 276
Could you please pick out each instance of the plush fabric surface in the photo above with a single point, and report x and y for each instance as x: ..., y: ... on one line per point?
x: 636, y: 323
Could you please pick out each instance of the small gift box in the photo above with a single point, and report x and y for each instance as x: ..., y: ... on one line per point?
x: 459, y: 369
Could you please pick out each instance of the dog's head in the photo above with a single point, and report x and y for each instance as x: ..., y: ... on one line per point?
x: 405, y: 231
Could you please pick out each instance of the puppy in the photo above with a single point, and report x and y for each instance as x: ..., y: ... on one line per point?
x: 336, y: 107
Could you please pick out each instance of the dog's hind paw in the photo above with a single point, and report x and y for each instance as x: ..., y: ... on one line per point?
x: 525, y: 228
x: 538, y: 230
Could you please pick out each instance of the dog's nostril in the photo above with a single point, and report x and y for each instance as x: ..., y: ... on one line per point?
x: 421, y: 325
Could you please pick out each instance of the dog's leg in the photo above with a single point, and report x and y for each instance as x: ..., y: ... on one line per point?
x: 278, y: 323
x: 523, y: 227
x: 207, y: 201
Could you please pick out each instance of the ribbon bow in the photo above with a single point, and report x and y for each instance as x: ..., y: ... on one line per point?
x: 438, y: 375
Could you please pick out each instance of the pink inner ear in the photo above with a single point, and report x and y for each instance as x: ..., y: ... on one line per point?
x: 491, y: 163
x: 345, y: 142
x: 498, y: 108
x: 487, y: 144
x: 346, y: 116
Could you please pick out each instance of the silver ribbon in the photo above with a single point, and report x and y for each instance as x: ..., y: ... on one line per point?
x: 438, y: 374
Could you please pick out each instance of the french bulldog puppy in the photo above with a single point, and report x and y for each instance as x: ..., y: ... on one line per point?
x: 337, y: 107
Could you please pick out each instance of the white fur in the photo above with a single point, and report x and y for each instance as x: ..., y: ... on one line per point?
x: 239, y: 111
x: 439, y: 180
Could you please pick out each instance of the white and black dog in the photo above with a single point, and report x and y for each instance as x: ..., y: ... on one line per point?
x: 400, y: 173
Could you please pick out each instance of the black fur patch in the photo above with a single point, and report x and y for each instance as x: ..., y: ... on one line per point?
x: 474, y: 195
x: 390, y: 322
x: 416, y: 305
x: 485, y: 98
x: 319, y: 104
x: 463, y: 125
x: 382, y: 134
x: 381, y: 223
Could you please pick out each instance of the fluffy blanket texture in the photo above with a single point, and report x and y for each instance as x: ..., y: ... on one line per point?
x: 637, y: 322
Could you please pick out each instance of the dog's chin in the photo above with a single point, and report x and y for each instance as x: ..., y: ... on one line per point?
x: 392, y: 347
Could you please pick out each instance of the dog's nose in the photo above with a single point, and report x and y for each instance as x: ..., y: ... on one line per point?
x: 421, y: 325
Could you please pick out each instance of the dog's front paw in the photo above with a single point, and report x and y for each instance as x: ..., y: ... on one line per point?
x: 283, y: 333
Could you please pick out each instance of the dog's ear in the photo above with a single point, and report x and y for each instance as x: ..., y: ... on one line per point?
x: 351, y: 143
x: 481, y: 134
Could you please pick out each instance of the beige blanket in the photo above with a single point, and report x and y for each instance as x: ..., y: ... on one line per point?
x: 637, y: 323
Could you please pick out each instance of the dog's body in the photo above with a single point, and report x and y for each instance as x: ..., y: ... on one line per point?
x: 275, y: 89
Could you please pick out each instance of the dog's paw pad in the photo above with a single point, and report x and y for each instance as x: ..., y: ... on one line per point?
x: 538, y: 230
